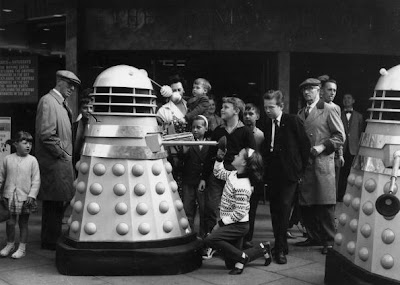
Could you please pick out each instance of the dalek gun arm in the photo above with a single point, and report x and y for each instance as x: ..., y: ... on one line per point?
x: 395, y: 169
x: 154, y: 141
x: 388, y: 205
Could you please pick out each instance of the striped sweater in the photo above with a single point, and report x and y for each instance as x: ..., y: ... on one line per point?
x: 235, y: 200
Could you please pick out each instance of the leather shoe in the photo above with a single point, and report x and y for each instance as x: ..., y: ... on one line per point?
x: 280, y: 258
x: 325, y: 249
x: 266, y: 248
x: 307, y: 242
x: 236, y: 271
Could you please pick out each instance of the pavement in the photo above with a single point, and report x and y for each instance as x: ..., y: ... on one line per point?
x: 305, y: 265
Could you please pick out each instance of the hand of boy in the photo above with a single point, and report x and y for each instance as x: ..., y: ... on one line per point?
x: 220, y: 155
x: 29, y: 201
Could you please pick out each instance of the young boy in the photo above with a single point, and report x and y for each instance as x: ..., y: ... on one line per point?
x: 194, y: 159
x: 198, y: 104
x: 251, y: 116
x: 238, y: 137
x: 80, y: 125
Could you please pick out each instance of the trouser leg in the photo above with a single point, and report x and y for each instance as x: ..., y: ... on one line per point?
x: 52, y: 214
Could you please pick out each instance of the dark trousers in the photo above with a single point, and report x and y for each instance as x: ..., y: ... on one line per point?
x: 214, y: 190
x: 190, y: 196
x: 225, y: 239
x: 281, y: 193
x: 254, y: 199
x: 344, y: 173
x: 319, y: 221
x: 52, y: 215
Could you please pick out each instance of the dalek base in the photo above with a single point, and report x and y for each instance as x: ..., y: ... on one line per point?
x: 339, y: 270
x: 108, y: 259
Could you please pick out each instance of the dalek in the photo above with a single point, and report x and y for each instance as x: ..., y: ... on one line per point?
x: 366, y: 247
x: 127, y: 216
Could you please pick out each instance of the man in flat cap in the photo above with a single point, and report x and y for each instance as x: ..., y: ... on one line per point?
x: 317, y: 196
x: 54, y: 154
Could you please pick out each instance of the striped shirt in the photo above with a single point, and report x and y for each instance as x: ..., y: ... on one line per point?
x: 235, y: 200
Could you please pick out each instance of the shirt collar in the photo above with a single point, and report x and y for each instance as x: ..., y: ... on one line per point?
x: 58, y: 93
x: 313, y: 104
x: 279, y: 118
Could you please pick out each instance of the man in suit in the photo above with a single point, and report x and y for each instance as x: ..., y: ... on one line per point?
x: 317, y: 196
x: 54, y: 148
x: 286, y: 150
x: 328, y: 93
x: 353, y: 123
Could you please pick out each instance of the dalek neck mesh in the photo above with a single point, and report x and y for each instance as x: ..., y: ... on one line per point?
x: 385, y: 107
x: 124, y: 101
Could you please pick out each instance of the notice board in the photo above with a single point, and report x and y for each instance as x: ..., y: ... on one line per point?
x: 5, y: 134
x: 18, y: 80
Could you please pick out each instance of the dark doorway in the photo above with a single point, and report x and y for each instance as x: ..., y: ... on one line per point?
x: 243, y: 74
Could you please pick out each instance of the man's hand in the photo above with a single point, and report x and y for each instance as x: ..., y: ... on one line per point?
x: 317, y: 150
x: 202, y: 186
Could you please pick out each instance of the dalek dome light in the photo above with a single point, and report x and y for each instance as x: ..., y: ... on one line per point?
x: 123, y: 76
x: 389, y: 79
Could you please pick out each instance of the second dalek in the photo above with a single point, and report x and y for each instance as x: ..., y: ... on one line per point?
x: 127, y: 218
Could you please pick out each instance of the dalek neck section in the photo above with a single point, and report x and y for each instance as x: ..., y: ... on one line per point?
x: 124, y: 101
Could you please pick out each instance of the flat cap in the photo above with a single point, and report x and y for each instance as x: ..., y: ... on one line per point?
x: 68, y: 75
x: 310, y: 82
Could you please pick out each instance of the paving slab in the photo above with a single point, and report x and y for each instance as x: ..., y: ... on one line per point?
x: 313, y: 273
x: 46, y: 275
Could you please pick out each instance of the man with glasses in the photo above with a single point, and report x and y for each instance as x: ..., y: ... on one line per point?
x: 54, y: 154
x: 317, y: 196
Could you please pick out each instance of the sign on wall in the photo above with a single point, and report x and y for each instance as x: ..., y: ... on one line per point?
x: 18, y: 79
x: 5, y: 134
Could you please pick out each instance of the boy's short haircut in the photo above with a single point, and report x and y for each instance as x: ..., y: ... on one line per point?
x: 237, y: 103
x: 201, y: 118
x: 250, y: 106
x: 275, y: 94
x: 85, y: 101
x: 203, y: 82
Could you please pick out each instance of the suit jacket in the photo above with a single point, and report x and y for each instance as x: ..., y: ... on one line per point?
x: 353, y: 129
x: 294, y: 147
x: 194, y: 161
x: 323, y: 126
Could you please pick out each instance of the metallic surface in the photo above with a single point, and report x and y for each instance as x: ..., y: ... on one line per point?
x: 120, y: 131
x: 122, y: 152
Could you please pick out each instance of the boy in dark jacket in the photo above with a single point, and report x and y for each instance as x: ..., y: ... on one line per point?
x: 194, y: 159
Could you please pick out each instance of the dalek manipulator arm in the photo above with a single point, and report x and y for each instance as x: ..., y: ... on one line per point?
x: 388, y: 205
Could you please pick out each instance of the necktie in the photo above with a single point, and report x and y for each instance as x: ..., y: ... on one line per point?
x: 68, y: 110
x: 276, y: 122
x: 349, y: 112
x: 307, y: 111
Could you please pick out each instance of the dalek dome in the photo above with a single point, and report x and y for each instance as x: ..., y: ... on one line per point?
x: 123, y: 76
x: 389, y: 80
